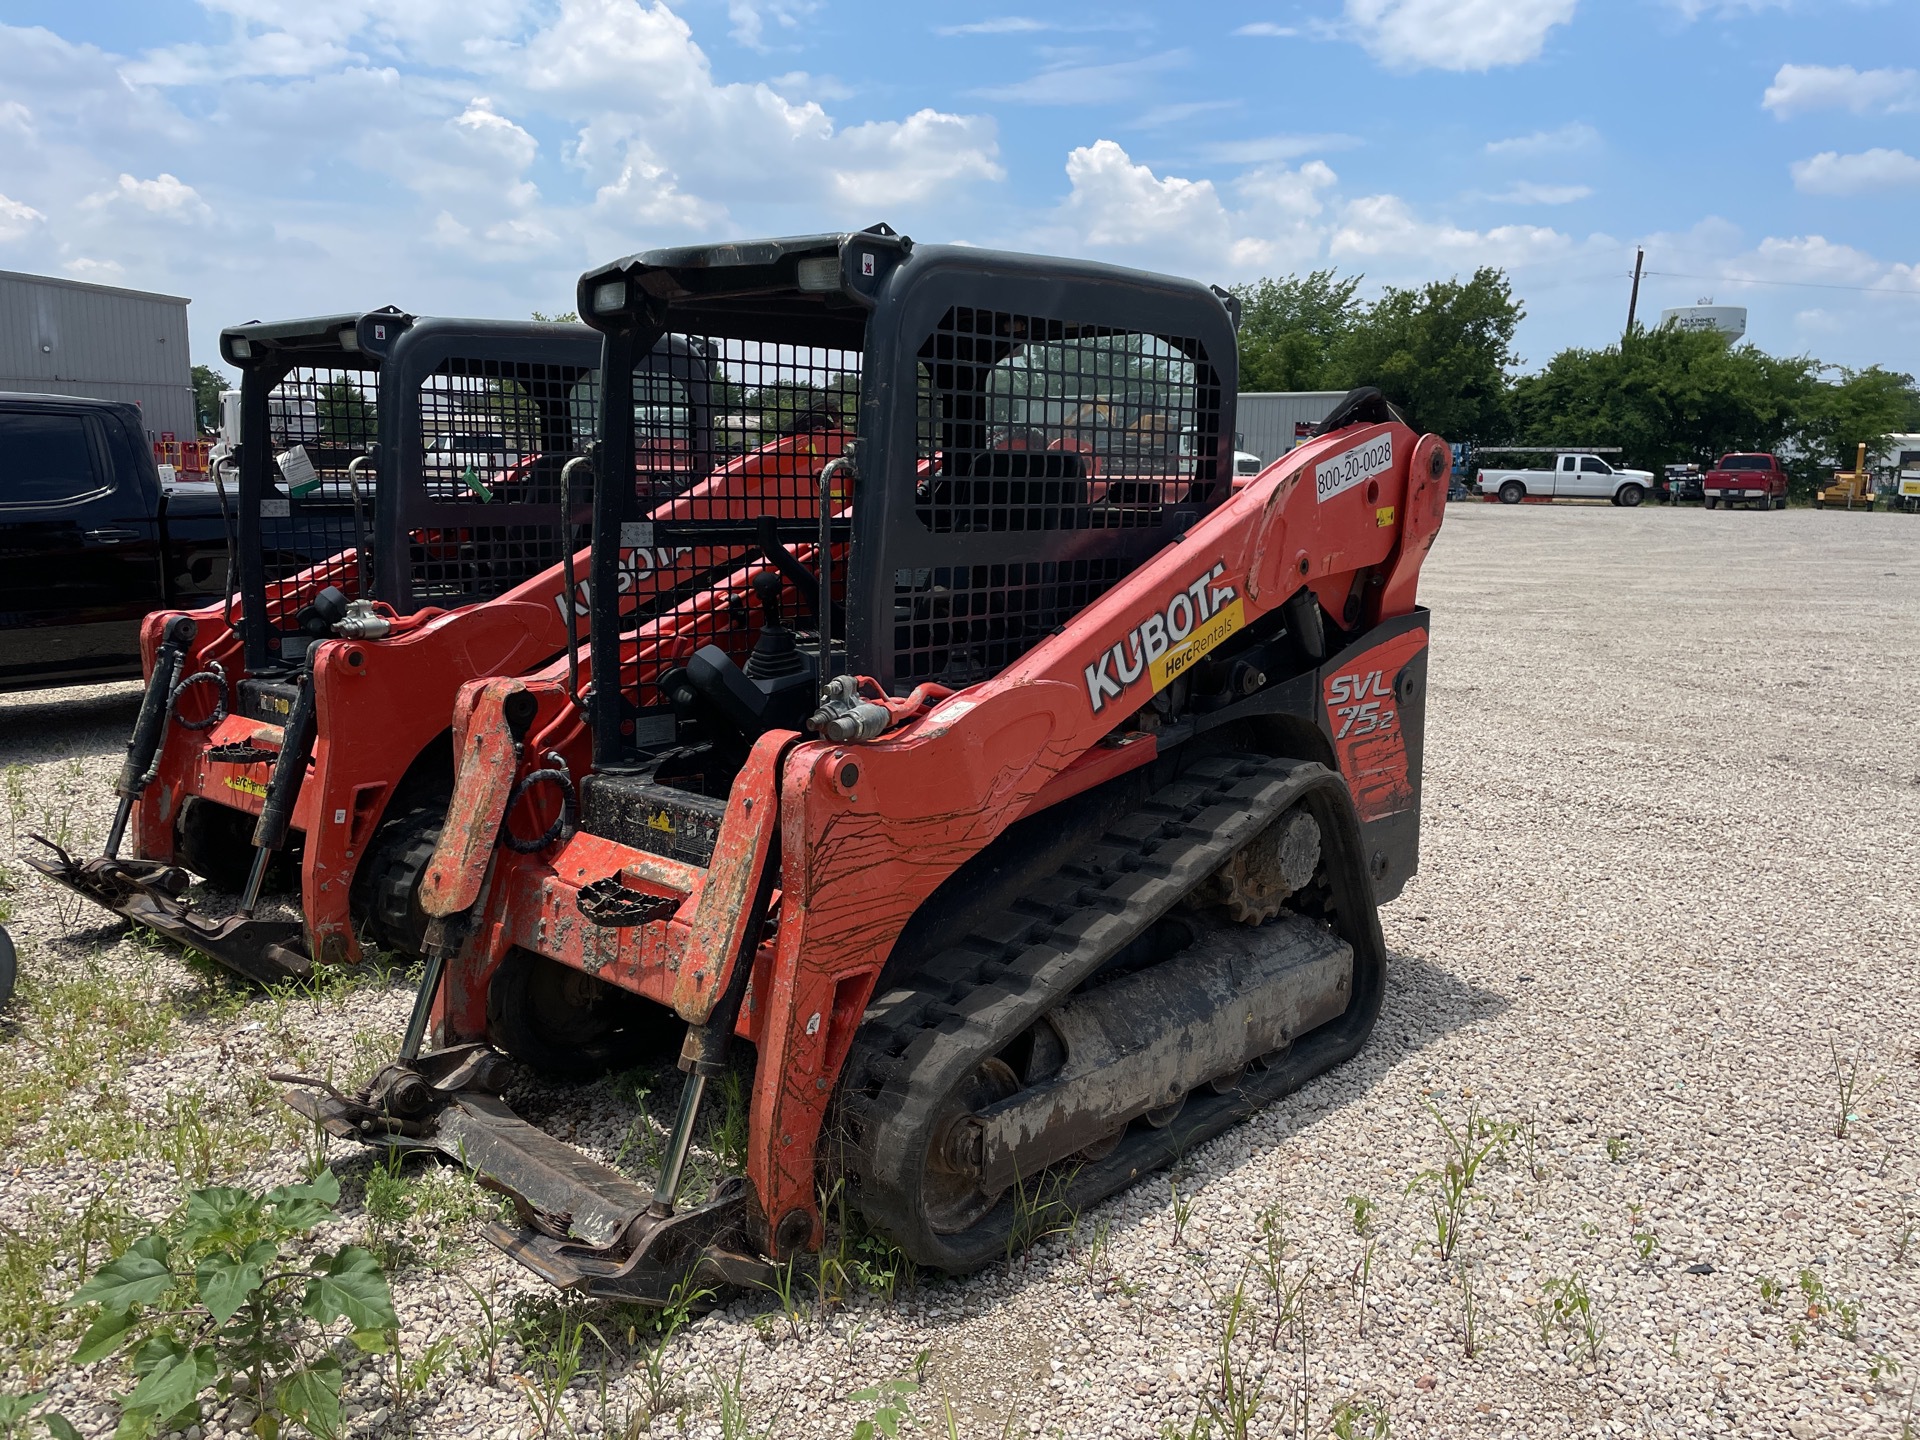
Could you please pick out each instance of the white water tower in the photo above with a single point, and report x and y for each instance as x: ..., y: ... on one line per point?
x: 1727, y: 320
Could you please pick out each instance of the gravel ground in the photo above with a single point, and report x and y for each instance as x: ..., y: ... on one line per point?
x: 1671, y: 797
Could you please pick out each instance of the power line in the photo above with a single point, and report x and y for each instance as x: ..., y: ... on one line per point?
x: 1789, y: 284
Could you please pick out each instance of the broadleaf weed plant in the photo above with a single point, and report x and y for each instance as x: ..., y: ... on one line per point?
x: 220, y: 1300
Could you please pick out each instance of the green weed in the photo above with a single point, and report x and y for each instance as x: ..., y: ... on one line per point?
x: 1449, y: 1188
x: 215, y: 1301
x: 1850, y: 1087
x: 1568, y: 1306
x: 888, y: 1403
x: 1361, y: 1420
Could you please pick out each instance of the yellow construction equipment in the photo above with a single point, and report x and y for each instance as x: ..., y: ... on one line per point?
x: 1851, y: 488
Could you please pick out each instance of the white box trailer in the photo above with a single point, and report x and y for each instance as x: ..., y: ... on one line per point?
x: 1901, y: 456
x: 1269, y: 423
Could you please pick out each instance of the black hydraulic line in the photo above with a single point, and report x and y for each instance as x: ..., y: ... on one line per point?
x: 566, y: 546
x: 416, y: 1036
x: 359, y: 518
x: 833, y: 467
x: 149, y: 727
x: 283, y: 786
x: 233, y: 548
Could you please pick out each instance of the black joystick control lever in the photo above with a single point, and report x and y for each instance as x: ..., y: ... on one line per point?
x: 775, y: 655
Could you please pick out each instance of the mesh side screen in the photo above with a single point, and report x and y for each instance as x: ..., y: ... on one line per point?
x: 1051, y: 458
x: 961, y: 624
x: 495, y: 436
x: 672, y: 452
x: 779, y: 414
x: 1032, y: 423
x: 319, y: 420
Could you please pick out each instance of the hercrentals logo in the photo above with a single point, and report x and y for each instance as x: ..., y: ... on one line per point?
x: 1167, y: 643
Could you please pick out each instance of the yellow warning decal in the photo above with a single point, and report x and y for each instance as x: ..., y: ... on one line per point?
x: 1383, y: 517
x: 1177, y: 661
x: 660, y: 820
x: 246, y: 786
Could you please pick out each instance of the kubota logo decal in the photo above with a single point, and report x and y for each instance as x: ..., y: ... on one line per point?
x: 1167, y: 643
x: 634, y: 564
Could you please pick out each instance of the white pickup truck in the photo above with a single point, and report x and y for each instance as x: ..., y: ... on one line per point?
x: 1573, y: 477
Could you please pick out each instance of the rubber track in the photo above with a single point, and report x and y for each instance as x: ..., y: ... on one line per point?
x: 392, y: 874
x: 924, y: 1034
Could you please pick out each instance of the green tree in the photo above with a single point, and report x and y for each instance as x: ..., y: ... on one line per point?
x: 1441, y: 352
x: 345, y: 414
x: 1863, y: 407
x: 1667, y: 396
x: 1292, y: 331
x: 207, y: 385
x: 564, y: 317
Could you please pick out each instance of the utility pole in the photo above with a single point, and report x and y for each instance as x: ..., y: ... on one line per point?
x: 1633, y: 304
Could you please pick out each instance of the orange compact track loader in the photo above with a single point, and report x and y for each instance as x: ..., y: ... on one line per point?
x: 1025, y: 809
x: 400, y: 486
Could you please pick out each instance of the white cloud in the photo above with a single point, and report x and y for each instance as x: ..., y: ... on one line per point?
x: 17, y: 218
x: 1576, y: 136
x: 1030, y: 25
x: 1871, y: 171
x: 1526, y: 192
x: 800, y: 86
x: 1073, y: 84
x: 164, y: 195
x: 1455, y: 34
x: 1178, y: 112
x: 750, y: 19
x: 1797, y: 89
x: 1122, y: 207
x: 1385, y: 225
x: 911, y: 160
x: 645, y: 192
x: 1267, y: 29
x: 1694, y: 9
x: 1263, y: 150
x: 104, y: 272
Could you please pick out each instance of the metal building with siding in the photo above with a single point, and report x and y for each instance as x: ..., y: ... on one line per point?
x: 1272, y: 422
x: 65, y: 337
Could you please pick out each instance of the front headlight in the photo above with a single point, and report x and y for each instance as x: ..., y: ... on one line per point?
x: 609, y: 297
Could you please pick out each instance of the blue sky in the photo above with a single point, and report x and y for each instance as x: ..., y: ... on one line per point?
x: 272, y: 158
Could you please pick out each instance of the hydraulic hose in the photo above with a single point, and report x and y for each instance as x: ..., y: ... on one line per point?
x: 833, y: 467
x: 283, y: 786
x: 566, y: 549
x: 233, y: 548
x: 359, y: 521
x: 150, y: 726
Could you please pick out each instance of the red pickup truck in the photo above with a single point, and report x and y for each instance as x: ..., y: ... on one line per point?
x: 1759, y: 480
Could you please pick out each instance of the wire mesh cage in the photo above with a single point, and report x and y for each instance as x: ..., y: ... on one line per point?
x: 316, y: 504
x: 1081, y: 439
x: 484, y: 513
x: 779, y: 414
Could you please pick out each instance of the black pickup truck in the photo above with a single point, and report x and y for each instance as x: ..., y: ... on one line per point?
x: 90, y: 541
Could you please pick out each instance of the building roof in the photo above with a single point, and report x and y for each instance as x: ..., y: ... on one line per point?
x: 88, y: 285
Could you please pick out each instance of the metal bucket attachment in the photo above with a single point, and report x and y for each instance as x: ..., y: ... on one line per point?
x: 148, y: 892
x: 583, y: 1226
